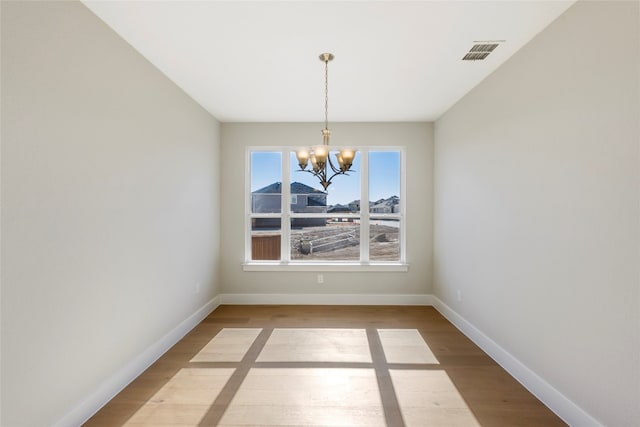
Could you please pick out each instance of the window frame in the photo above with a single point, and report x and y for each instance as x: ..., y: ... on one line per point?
x: 286, y: 215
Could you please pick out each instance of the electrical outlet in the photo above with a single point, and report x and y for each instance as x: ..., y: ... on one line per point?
x: 459, y: 295
x: 320, y: 278
x: 198, y: 286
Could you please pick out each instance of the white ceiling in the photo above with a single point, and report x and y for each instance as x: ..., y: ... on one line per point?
x: 258, y: 61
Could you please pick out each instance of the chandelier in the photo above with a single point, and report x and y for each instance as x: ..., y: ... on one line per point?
x: 321, y: 164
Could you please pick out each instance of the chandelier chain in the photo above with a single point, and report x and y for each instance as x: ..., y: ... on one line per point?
x: 326, y: 94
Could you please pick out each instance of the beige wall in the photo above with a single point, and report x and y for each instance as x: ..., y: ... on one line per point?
x: 418, y: 139
x: 110, y: 193
x: 537, y: 208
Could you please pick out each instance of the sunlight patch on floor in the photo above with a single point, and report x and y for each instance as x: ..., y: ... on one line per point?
x: 229, y: 345
x: 405, y: 346
x: 184, y: 399
x: 430, y: 398
x: 314, y: 396
x: 316, y: 345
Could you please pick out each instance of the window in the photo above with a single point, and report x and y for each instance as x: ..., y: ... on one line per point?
x: 359, y: 220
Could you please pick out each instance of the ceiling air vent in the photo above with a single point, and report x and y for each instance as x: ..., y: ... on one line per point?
x: 480, y: 51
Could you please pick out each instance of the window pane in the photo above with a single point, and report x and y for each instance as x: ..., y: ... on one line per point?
x: 325, y: 239
x: 265, y: 239
x: 266, y: 182
x: 384, y: 182
x: 343, y: 192
x: 384, y: 239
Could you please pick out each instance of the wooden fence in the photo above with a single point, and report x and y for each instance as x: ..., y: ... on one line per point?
x: 265, y: 247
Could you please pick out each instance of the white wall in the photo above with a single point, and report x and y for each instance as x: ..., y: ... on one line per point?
x: 418, y: 139
x: 537, y: 208
x: 110, y: 193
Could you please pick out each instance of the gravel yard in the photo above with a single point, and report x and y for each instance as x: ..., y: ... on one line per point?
x: 340, y: 241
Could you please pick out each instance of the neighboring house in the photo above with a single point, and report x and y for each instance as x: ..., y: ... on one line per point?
x: 355, y: 206
x: 304, y: 199
x: 339, y: 209
x: 390, y: 205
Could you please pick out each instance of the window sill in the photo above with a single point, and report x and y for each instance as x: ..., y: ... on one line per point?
x: 346, y: 267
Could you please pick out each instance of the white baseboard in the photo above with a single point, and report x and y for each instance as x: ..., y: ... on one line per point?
x: 119, y: 380
x: 570, y: 413
x: 325, y: 299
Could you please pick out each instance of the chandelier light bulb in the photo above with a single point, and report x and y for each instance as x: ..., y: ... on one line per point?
x: 321, y: 152
x: 347, y: 156
x: 303, y: 158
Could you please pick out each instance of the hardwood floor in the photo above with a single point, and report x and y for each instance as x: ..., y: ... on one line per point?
x: 325, y: 365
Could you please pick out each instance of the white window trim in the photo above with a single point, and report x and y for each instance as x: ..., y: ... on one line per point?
x: 324, y: 266
x: 340, y: 266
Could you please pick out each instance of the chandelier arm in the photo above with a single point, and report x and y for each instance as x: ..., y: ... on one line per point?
x: 333, y: 168
x: 321, y: 174
x: 334, y: 175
